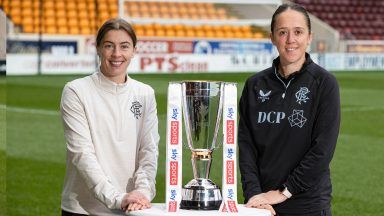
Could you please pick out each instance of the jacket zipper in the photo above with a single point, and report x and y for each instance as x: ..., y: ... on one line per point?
x: 285, y: 85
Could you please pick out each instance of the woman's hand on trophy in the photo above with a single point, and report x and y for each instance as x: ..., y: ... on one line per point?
x: 134, y: 201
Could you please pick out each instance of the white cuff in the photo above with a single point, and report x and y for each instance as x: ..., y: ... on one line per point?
x: 145, y: 192
x: 119, y: 200
x: 286, y: 193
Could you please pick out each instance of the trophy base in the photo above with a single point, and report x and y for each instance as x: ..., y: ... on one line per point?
x: 201, y: 194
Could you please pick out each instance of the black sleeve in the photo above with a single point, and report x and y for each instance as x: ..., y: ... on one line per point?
x: 324, y: 137
x: 247, y: 152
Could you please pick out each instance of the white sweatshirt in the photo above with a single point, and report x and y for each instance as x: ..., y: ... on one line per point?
x: 112, y: 139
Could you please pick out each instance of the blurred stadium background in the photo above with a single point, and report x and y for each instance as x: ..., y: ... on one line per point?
x: 50, y: 42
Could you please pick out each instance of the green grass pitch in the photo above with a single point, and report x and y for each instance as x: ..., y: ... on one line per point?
x: 32, y: 177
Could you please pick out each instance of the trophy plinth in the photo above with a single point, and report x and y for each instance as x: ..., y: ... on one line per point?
x: 201, y: 194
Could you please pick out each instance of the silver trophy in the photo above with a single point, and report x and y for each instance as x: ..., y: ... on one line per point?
x: 202, y: 109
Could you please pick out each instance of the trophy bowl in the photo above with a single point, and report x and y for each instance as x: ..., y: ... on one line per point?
x: 202, y: 110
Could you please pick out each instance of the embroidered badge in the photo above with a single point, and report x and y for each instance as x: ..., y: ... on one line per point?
x: 301, y: 95
x: 297, y: 118
x: 264, y: 96
x: 136, y: 109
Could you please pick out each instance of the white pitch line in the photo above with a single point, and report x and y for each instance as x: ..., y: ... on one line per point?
x: 364, y: 108
x: 55, y: 113
x: 29, y: 110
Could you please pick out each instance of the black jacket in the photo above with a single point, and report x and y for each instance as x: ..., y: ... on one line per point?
x: 288, y: 131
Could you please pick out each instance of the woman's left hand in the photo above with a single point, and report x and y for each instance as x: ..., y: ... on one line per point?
x: 274, y: 197
x: 271, y: 198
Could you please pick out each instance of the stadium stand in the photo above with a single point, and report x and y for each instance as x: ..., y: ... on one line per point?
x: 354, y: 19
x: 59, y: 16
x: 188, y: 11
x: 84, y: 16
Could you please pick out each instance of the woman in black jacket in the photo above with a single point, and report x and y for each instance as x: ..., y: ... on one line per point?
x: 289, y: 124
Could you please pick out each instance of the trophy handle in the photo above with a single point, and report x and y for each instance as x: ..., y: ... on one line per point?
x: 219, y: 116
x: 185, y: 115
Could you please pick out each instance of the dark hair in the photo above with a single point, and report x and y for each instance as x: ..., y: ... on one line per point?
x: 115, y: 24
x: 295, y: 7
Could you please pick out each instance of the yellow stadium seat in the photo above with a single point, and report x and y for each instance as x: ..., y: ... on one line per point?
x: 170, y: 33
x: 180, y: 33
x: 91, y: 6
x: 83, y: 14
x: 27, y: 20
x: 207, y: 27
x: 91, y: 15
x: 156, y: 15
x: 173, y: 9
x: 62, y: 30
x: 82, y: 6
x: 27, y: 12
x: 59, y: 5
x: 149, y: 32
x: 72, y: 23
x: 139, y: 32
x: 61, y: 21
x: 36, y: 5
x: 248, y: 34
x: 85, y: 31
x: 37, y: 22
x: 219, y: 34
x: 229, y: 34
x: 72, y: 14
x: 164, y: 9
x: 183, y: 10
x: 49, y: 13
x: 83, y: 23
x: 15, y: 11
x: 190, y: 33
x: 16, y: 20
x: 25, y: 4
x: 113, y: 8
x: 145, y: 14
x: 61, y: 12
x: 50, y: 30
x: 258, y: 35
x: 28, y: 29
x: 239, y: 34
x: 74, y: 31
x: 157, y: 26
x: 48, y: 4
x: 192, y: 11
x: 48, y: 22
x: 166, y: 16
x: 144, y: 8
x: 160, y: 33
x: 153, y: 8
x: 175, y: 16
x: 200, y: 33
x: 15, y: 4
x: 134, y: 14
x: 210, y: 34
x: 71, y: 6
x: 5, y: 4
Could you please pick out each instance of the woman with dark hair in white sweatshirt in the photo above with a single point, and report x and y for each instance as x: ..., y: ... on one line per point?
x: 111, y: 130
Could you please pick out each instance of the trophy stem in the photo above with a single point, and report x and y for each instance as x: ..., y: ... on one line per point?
x: 201, y: 163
